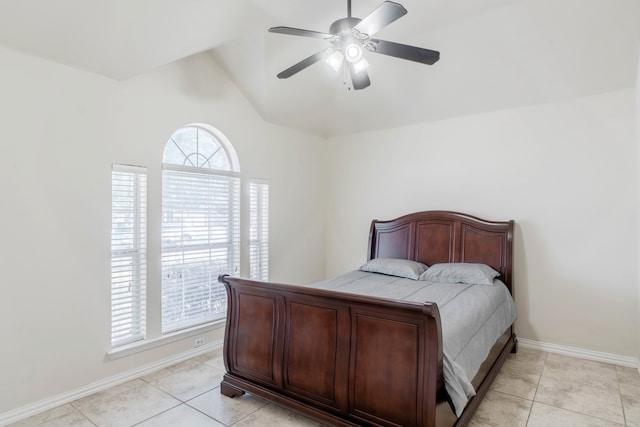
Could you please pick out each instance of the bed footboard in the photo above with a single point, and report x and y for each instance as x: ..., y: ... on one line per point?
x: 342, y: 359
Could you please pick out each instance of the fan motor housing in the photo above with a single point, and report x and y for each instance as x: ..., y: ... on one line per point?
x: 342, y: 25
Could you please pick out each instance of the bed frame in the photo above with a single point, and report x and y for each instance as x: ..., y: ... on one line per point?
x: 349, y: 360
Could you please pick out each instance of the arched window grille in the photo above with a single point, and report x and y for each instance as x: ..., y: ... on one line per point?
x: 200, y: 225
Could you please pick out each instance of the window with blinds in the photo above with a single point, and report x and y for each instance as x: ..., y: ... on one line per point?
x: 200, y: 227
x: 128, y: 254
x: 259, y: 230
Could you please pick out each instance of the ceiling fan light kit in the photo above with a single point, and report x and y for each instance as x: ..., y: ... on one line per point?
x: 335, y: 60
x: 350, y: 37
x: 353, y: 52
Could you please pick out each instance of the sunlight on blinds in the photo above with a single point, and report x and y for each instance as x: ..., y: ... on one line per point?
x: 128, y: 254
x: 259, y: 230
x: 200, y: 241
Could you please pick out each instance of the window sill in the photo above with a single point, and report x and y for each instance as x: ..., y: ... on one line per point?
x: 140, y: 346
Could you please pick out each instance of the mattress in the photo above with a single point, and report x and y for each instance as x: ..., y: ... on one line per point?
x: 473, y: 317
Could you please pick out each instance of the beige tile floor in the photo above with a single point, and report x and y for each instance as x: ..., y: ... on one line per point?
x: 533, y: 389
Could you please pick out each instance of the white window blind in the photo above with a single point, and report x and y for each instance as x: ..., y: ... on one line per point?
x: 259, y: 230
x: 200, y: 241
x: 128, y: 254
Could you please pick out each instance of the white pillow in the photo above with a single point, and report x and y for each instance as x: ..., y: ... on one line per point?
x: 469, y: 273
x: 395, y: 267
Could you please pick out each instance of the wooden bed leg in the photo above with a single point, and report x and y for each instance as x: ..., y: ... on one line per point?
x: 230, y: 390
x: 514, y: 350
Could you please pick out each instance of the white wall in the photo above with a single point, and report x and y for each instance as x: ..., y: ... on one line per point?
x: 637, y: 119
x: 565, y: 172
x: 61, y: 131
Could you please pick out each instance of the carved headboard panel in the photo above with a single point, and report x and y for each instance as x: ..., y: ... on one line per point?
x: 440, y: 236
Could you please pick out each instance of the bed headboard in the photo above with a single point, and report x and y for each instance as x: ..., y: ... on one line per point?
x: 434, y: 237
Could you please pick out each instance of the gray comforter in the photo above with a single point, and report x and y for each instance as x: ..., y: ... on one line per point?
x: 473, y: 317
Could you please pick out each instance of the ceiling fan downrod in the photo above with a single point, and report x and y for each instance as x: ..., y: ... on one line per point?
x: 348, y: 8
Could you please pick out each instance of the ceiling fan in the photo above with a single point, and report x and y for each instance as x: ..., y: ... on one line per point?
x: 350, y: 37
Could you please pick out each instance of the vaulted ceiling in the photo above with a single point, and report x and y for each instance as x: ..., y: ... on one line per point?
x: 495, y: 54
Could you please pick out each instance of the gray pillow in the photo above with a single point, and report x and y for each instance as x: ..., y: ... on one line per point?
x: 395, y: 267
x: 469, y: 273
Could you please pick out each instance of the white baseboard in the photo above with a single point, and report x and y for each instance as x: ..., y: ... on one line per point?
x: 67, y: 397
x: 580, y: 353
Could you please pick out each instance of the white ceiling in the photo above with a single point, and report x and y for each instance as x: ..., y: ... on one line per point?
x: 495, y: 54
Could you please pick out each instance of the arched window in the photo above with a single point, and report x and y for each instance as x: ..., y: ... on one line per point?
x: 200, y: 225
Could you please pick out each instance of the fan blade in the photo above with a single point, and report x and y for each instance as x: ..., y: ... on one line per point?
x: 403, y: 51
x: 384, y: 15
x: 359, y: 80
x: 323, y: 54
x: 298, y: 32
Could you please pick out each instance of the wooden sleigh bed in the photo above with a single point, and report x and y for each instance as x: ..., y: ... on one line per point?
x: 350, y: 360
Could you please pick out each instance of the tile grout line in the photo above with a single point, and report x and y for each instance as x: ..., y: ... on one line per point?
x: 159, y: 413
x: 624, y: 413
x: 546, y: 355
x: 81, y: 413
x: 581, y: 413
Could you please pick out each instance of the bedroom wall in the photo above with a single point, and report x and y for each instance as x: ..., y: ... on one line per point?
x: 637, y: 119
x: 565, y: 172
x: 61, y: 131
